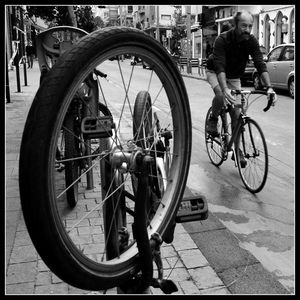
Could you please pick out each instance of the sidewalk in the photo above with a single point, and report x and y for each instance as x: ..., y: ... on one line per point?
x: 203, y: 259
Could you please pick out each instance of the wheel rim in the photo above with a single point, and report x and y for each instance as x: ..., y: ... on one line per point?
x: 214, y: 144
x: 254, y: 175
x: 79, y: 231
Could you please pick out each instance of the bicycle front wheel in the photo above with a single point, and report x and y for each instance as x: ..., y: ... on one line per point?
x: 253, y: 146
x: 93, y: 245
x: 214, y: 145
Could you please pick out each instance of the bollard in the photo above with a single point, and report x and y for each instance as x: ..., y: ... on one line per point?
x: 25, y: 72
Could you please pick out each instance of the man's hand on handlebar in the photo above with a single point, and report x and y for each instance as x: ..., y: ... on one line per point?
x: 272, y: 96
x: 229, y: 98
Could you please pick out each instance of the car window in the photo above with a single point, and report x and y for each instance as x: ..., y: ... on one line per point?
x: 275, y: 54
x: 288, y: 54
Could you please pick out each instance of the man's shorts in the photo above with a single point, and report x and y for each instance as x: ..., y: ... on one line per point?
x: 234, y: 84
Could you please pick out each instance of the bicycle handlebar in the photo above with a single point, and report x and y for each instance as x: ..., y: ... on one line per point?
x: 258, y: 92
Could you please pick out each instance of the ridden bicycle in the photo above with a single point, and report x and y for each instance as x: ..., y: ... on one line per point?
x: 124, y: 138
x: 247, y: 139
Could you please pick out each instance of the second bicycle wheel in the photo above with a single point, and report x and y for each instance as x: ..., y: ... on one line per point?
x: 252, y: 143
x: 74, y: 242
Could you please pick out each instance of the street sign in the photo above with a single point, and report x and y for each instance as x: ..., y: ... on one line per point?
x: 169, y: 33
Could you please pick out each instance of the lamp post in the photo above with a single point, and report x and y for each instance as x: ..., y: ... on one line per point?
x: 157, y: 23
x: 16, y: 41
x: 188, y: 35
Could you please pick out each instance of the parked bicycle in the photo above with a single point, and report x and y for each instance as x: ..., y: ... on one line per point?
x: 247, y: 139
x: 124, y: 140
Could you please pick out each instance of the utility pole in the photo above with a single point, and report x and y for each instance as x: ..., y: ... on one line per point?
x: 16, y: 40
x: 23, y: 36
x: 188, y: 35
x: 157, y: 23
x: 7, y: 89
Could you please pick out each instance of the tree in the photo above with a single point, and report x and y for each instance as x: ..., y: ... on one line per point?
x: 85, y: 19
x: 99, y: 22
x: 64, y: 15
x: 56, y: 15
x: 178, y: 31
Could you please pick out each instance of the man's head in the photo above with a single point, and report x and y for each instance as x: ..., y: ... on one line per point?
x: 243, y: 22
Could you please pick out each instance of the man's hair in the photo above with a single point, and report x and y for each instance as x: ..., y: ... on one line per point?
x: 237, y: 15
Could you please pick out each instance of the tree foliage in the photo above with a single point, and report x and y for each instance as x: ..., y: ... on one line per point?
x: 178, y: 31
x: 59, y: 16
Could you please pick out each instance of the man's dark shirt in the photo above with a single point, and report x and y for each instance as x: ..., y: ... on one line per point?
x: 231, y: 56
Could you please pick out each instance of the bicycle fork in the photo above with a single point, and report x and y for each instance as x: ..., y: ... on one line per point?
x: 91, y: 110
x: 149, y: 251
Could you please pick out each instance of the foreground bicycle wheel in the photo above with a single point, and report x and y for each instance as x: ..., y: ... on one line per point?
x: 92, y: 245
x: 252, y: 143
x: 214, y: 144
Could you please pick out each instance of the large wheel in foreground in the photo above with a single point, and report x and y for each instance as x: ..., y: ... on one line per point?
x: 73, y: 242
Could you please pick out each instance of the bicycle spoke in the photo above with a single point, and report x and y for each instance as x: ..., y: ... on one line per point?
x: 87, y: 211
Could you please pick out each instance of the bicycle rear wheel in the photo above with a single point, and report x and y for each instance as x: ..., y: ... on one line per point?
x: 252, y: 143
x: 214, y: 145
x: 74, y: 242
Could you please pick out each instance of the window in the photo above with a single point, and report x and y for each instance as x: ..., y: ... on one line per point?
x: 288, y: 54
x: 274, y: 55
x: 166, y: 17
x: 130, y: 9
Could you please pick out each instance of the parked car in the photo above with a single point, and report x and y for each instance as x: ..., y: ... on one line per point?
x: 247, y: 76
x: 280, y: 63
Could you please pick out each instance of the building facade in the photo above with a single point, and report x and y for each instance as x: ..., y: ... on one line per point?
x: 273, y: 25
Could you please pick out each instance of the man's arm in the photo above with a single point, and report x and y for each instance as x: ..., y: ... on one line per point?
x: 267, y: 82
x: 223, y: 84
x: 266, y: 79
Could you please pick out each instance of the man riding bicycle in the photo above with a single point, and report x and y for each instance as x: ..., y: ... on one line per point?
x: 227, y: 64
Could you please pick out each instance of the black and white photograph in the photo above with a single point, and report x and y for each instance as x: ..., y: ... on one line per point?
x: 149, y: 149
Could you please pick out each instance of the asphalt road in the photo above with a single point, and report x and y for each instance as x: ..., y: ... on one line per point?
x: 263, y: 223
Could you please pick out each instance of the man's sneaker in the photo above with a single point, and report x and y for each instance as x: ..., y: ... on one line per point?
x: 212, y: 129
x: 242, y: 159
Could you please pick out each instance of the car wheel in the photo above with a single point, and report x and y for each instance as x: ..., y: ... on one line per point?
x: 256, y: 82
x: 291, y: 87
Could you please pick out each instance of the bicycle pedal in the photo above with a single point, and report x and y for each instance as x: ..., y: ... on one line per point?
x: 99, y: 127
x: 192, y: 208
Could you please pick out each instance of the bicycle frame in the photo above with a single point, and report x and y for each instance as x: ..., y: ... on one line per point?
x: 230, y: 141
x: 247, y: 142
x: 240, y: 122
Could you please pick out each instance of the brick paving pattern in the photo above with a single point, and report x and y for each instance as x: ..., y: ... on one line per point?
x: 26, y: 273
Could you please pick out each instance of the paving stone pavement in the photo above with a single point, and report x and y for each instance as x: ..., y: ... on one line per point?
x: 26, y: 273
